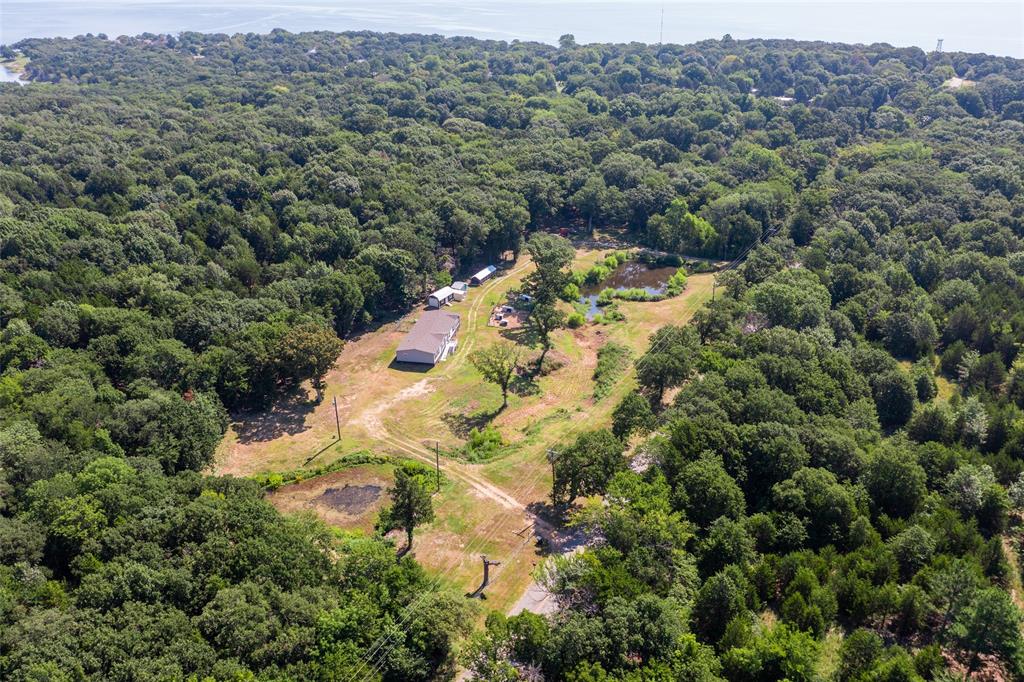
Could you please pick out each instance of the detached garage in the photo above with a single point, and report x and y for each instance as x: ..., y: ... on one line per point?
x: 442, y: 296
x: 483, y: 275
x: 430, y: 340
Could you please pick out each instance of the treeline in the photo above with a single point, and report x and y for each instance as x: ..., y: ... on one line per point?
x: 192, y: 224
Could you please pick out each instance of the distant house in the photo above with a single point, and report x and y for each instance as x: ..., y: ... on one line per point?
x: 442, y: 296
x: 461, y: 289
x: 430, y: 340
x: 483, y: 275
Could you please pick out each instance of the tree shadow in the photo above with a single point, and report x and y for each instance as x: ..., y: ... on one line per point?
x: 525, y: 383
x: 556, y: 537
x: 544, y: 510
x: 523, y: 336
x: 286, y: 416
x: 461, y: 424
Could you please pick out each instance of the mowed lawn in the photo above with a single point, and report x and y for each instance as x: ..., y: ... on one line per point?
x: 390, y: 410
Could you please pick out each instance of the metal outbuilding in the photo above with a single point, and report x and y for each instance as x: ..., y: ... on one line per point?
x: 442, y: 296
x: 483, y: 275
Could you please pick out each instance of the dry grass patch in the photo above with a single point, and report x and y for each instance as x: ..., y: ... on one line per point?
x: 389, y: 410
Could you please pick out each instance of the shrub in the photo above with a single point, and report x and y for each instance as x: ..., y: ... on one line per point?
x: 571, y: 292
x: 635, y: 294
x: 606, y: 296
x: 612, y: 360
x: 273, y: 481
x: 597, y: 273
x: 676, y: 283
x: 483, y: 444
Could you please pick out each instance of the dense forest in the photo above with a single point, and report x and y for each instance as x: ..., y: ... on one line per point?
x: 832, y: 452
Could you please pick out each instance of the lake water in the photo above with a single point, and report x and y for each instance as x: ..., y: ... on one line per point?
x: 8, y: 76
x: 630, y: 275
x: 992, y: 27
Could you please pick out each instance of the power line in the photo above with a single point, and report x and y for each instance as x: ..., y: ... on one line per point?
x: 380, y: 650
x: 411, y: 608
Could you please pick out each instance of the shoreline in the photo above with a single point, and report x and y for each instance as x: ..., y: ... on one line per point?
x: 13, y: 70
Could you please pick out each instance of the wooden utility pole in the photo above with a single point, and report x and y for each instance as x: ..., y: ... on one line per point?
x: 479, y: 593
x: 337, y: 420
x: 437, y: 463
x: 552, y: 456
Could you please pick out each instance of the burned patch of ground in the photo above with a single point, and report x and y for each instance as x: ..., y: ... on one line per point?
x: 350, y: 499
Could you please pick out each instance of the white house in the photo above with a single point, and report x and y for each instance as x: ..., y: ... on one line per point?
x: 442, y: 296
x: 483, y: 275
x: 430, y: 340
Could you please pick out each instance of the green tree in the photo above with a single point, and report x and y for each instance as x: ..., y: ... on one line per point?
x: 990, y: 625
x: 705, y: 491
x: 781, y: 653
x: 895, y: 482
x: 309, y: 352
x: 551, y: 256
x: 586, y: 466
x: 826, y: 506
x: 411, y: 504
x: 668, y: 361
x: 858, y: 654
x: 632, y: 415
x: 894, y: 395
x: 497, y: 364
x: 545, y: 318
x: 721, y: 598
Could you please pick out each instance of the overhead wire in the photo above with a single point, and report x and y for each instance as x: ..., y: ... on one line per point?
x: 383, y: 647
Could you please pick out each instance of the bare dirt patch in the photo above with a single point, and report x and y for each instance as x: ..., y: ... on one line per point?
x: 286, y: 417
x: 513, y: 320
x: 371, y: 419
x: 956, y: 83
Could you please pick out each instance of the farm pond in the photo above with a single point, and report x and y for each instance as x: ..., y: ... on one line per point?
x: 630, y: 275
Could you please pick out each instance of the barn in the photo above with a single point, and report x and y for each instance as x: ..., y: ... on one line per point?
x: 483, y: 275
x: 442, y: 296
x: 430, y: 340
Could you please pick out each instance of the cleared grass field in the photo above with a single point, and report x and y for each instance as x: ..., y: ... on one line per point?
x: 389, y: 410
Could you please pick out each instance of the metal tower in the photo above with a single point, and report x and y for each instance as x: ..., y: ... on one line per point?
x: 938, y: 46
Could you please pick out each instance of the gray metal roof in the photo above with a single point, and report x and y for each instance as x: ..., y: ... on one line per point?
x: 486, y: 272
x: 443, y: 292
x: 430, y: 331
